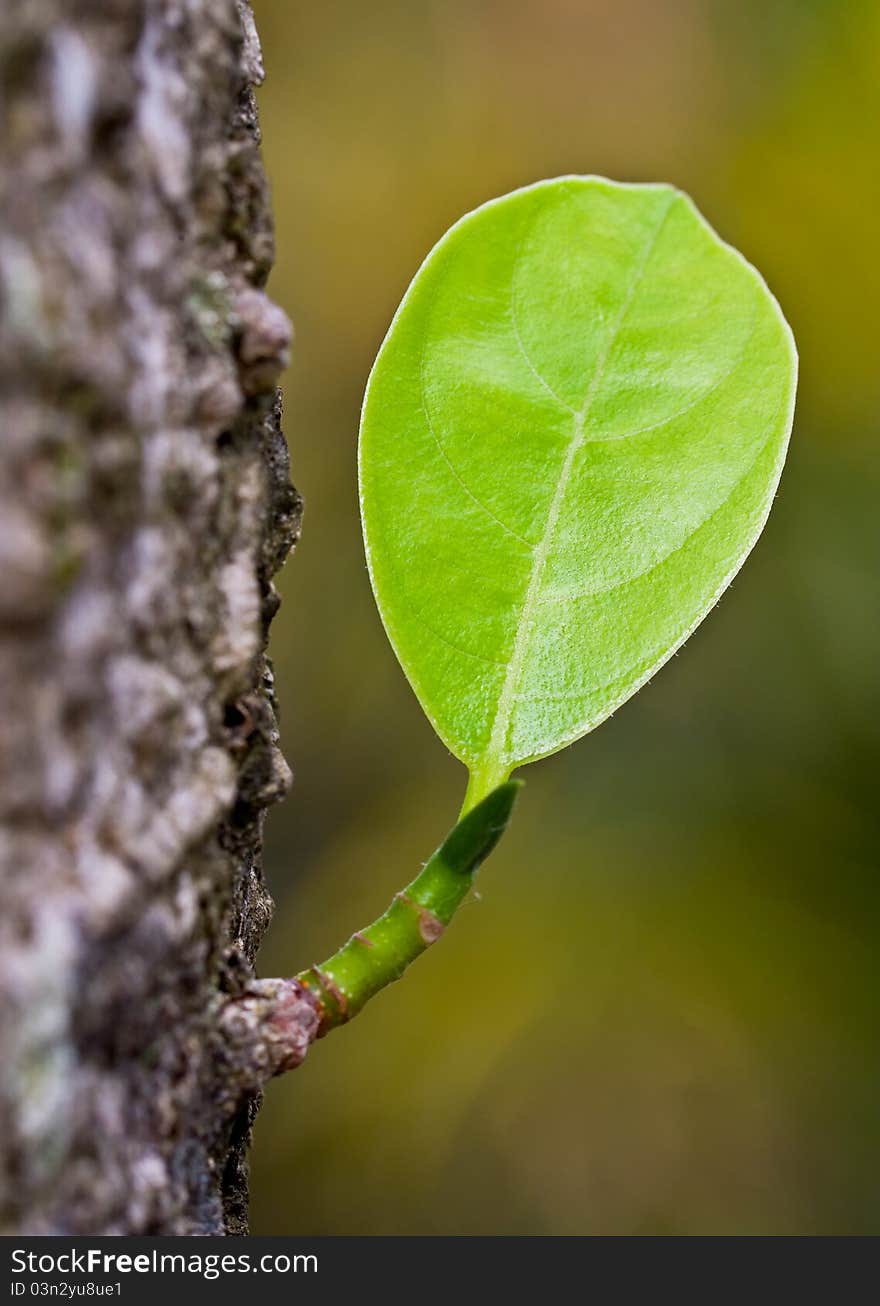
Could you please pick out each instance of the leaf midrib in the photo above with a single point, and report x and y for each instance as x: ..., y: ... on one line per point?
x: 497, y: 747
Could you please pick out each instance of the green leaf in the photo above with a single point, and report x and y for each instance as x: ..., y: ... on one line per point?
x: 570, y: 441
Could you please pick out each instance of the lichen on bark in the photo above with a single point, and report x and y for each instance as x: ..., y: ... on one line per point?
x: 145, y: 504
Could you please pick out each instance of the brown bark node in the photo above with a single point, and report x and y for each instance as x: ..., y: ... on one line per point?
x: 144, y: 506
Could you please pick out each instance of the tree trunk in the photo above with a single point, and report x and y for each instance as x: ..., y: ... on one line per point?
x: 144, y: 506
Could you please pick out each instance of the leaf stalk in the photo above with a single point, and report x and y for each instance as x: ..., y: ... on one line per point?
x: 376, y: 956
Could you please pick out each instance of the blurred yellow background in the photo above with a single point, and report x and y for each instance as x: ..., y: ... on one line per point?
x: 661, y: 1015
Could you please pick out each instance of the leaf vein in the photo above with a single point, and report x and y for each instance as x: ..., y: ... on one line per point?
x: 515, y: 324
x: 694, y: 403
x: 423, y: 401
x: 610, y: 589
x: 507, y: 697
x: 457, y: 648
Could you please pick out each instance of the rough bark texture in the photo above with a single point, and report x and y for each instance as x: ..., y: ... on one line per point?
x: 144, y: 506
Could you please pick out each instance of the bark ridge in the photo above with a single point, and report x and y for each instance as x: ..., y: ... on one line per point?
x: 145, y: 504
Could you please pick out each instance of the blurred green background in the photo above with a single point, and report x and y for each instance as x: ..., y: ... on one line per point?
x: 661, y: 1014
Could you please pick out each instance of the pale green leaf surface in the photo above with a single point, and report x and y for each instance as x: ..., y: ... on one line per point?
x: 570, y: 441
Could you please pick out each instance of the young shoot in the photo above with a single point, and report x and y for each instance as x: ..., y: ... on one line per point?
x: 570, y: 442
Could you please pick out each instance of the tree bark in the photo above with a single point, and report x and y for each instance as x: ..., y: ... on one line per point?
x: 144, y: 507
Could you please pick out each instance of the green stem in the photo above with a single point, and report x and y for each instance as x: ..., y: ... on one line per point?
x: 481, y: 783
x: 418, y: 915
